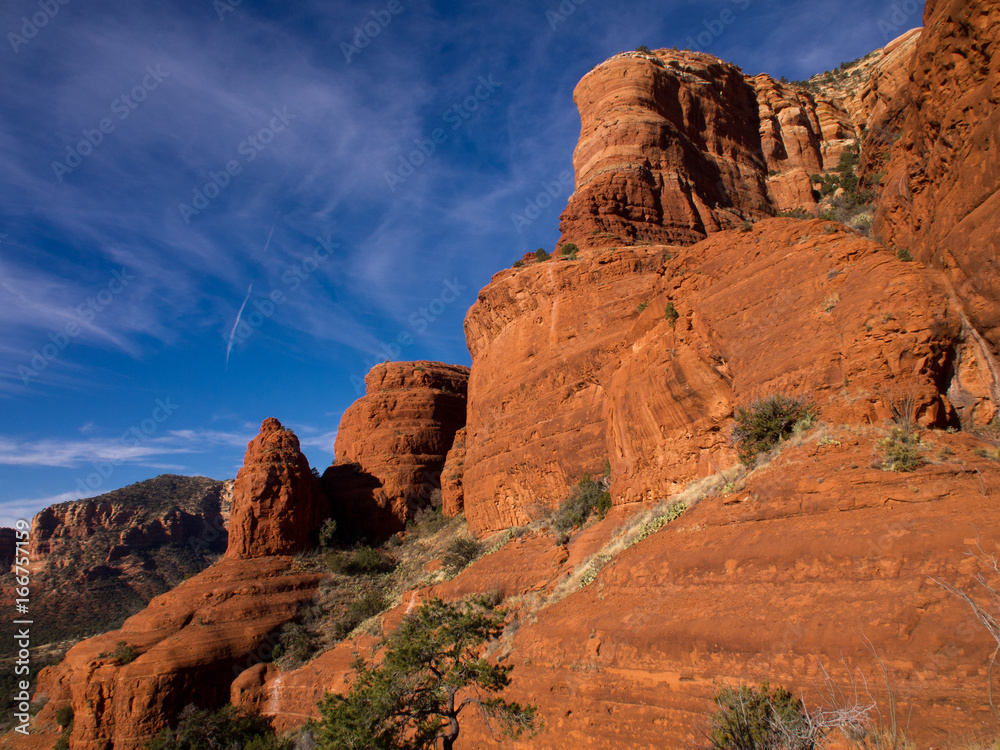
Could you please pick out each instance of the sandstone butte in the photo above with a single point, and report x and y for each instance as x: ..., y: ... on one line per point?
x: 636, y: 352
x: 278, y: 505
x: 392, y: 444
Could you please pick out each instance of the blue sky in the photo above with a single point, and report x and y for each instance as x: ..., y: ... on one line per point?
x: 169, y: 166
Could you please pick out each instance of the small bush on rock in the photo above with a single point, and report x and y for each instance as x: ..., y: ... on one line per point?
x: 759, y: 719
x: 587, y: 498
x: 461, y: 553
x: 362, y: 561
x: 766, y: 422
x: 901, y: 451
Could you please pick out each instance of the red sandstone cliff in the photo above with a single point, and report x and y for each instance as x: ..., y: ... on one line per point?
x: 941, y: 192
x: 392, y: 444
x: 278, y: 505
x: 575, y: 362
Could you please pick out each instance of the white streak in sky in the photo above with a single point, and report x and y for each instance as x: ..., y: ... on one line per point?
x: 232, y: 333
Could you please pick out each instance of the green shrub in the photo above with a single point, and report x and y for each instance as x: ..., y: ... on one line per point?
x: 758, y: 719
x: 64, y: 716
x: 901, y: 451
x: 461, y: 553
x: 643, y: 49
x: 328, y: 533
x: 367, y: 605
x: 62, y: 743
x: 904, y: 255
x: 362, y: 561
x: 670, y: 313
x: 585, y: 499
x: 799, y: 213
x: 294, y: 646
x: 764, y: 423
x: 541, y: 255
x: 228, y: 727
x: 124, y: 653
x: 569, y: 250
x: 643, y: 306
x: 518, y: 264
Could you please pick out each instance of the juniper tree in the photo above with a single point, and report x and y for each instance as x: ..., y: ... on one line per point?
x: 433, y: 669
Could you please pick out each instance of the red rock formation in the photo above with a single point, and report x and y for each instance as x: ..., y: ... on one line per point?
x: 669, y: 150
x: 815, y: 555
x: 575, y: 361
x: 192, y: 643
x: 392, y: 444
x: 452, y: 497
x: 940, y: 196
x: 278, y: 505
x: 798, y: 129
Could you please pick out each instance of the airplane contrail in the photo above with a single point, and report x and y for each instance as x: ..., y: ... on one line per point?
x: 232, y: 333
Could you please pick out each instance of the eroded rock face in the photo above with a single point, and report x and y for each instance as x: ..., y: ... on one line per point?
x: 940, y: 197
x: 452, y: 495
x: 192, y: 643
x: 392, y: 444
x: 278, y: 505
x: 575, y: 362
x: 677, y: 145
x: 669, y: 150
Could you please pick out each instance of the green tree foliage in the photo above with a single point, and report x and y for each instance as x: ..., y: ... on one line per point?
x: 433, y: 669
x: 759, y: 719
x: 225, y: 729
x: 766, y: 422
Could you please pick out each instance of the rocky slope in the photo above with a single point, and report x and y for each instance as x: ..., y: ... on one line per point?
x: 940, y: 197
x: 278, y: 505
x: 96, y: 561
x: 817, y: 562
x: 192, y: 643
x: 392, y: 444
